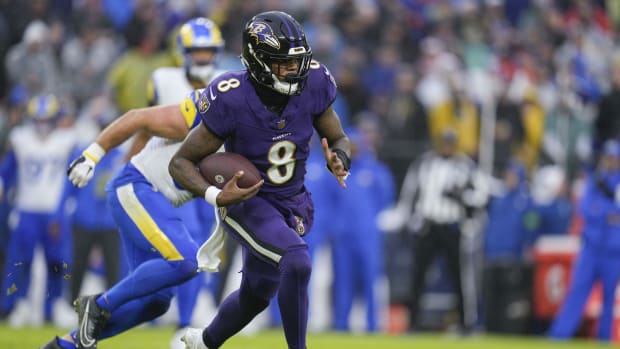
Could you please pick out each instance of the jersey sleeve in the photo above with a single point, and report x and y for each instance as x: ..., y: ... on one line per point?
x: 323, y: 87
x: 188, y: 108
x: 213, y: 109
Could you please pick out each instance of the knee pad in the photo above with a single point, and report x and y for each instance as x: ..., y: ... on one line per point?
x: 296, y: 262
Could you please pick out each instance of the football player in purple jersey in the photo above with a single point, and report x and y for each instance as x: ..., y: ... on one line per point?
x: 268, y: 114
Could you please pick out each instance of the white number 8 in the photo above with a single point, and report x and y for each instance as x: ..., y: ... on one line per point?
x: 282, y: 156
x: 226, y: 85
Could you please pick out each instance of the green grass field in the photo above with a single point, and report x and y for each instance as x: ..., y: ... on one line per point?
x: 158, y: 338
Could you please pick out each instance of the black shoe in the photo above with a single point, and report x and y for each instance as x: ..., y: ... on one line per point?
x: 52, y: 345
x: 91, y: 320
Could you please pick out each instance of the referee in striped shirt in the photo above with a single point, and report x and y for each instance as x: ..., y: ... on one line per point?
x: 440, y: 190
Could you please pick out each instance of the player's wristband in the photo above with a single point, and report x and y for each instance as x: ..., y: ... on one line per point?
x: 94, y: 152
x: 344, y: 158
x: 211, y: 195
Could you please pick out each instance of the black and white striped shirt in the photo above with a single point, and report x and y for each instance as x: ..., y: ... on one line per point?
x: 439, y: 189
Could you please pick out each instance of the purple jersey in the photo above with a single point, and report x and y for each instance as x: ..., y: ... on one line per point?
x: 278, y: 145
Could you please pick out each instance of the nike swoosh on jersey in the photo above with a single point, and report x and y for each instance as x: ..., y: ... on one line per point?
x: 213, y: 97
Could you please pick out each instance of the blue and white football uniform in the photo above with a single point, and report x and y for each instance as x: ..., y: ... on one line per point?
x: 36, y: 167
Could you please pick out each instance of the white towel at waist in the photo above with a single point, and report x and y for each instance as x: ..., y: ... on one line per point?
x: 208, y: 254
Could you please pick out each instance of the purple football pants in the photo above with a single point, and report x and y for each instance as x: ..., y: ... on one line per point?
x: 276, y: 259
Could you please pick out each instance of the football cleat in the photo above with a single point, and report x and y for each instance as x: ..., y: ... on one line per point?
x: 91, y: 320
x: 175, y: 341
x: 53, y: 344
x: 193, y: 339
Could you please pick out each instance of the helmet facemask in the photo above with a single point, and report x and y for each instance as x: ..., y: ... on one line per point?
x: 201, y: 68
x: 44, y: 111
x: 200, y: 43
x: 284, y: 73
x: 276, y: 53
x: 44, y: 128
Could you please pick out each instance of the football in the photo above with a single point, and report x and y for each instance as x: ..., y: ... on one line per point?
x: 219, y: 168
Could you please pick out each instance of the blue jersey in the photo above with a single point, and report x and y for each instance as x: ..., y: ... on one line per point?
x: 599, y: 231
x: 277, y: 144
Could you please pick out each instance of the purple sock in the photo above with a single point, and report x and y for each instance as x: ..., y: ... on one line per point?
x: 295, y: 268
x: 257, y: 287
x: 236, y: 311
x: 259, y: 283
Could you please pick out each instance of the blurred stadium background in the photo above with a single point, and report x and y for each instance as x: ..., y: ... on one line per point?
x: 534, y: 81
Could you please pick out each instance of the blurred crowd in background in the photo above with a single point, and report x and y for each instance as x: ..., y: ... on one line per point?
x: 527, y: 86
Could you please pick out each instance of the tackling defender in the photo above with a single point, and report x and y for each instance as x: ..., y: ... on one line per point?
x: 161, y: 253
x: 267, y: 114
x: 199, y: 42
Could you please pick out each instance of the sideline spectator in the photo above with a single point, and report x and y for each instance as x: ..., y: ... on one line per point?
x: 551, y: 207
x: 599, y: 257
x: 507, y: 273
x: 607, y: 124
x: 86, y: 59
x: 132, y: 71
x: 357, y: 243
x: 405, y: 133
x: 32, y: 63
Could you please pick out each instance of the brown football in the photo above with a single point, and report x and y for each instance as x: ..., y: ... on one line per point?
x: 219, y: 168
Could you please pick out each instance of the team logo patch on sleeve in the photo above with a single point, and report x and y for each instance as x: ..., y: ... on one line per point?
x: 203, y: 103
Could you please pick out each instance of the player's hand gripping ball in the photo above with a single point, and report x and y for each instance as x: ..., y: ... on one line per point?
x: 219, y: 168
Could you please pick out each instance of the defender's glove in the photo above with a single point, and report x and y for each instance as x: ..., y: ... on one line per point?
x: 82, y: 169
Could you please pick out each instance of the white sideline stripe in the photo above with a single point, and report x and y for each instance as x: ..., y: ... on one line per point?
x: 255, y: 245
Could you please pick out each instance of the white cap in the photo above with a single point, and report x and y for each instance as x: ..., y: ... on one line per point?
x: 547, y: 183
x: 36, y: 32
